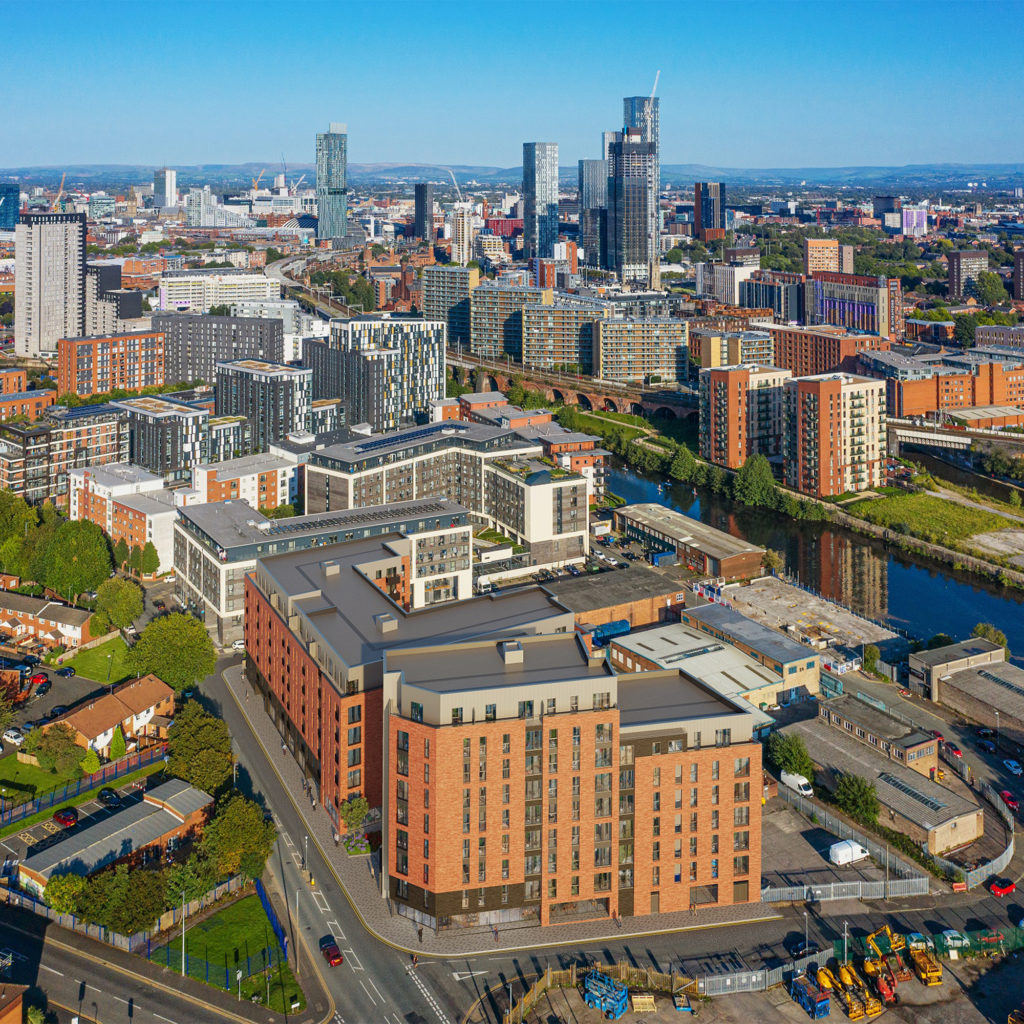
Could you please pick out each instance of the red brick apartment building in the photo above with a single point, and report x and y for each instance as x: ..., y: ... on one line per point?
x: 518, y: 778
x: 820, y: 349
x: 96, y: 365
x: 17, y: 400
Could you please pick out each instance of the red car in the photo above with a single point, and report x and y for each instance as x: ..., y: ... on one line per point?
x: 953, y: 750
x: 39, y: 677
x: 1002, y: 886
x: 1010, y: 800
x: 937, y: 734
x: 331, y: 953
x: 66, y: 817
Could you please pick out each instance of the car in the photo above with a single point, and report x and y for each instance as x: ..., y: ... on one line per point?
x: 27, y: 726
x: 953, y: 750
x: 159, y: 604
x: 130, y: 629
x: 1010, y: 800
x: 937, y: 735
x: 66, y: 672
x: 986, y: 746
x: 66, y: 817
x: 44, y: 688
x: 1013, y: 767
x: 903, y: 693
x: 1002, y: 886
x: 39, y: 677
x: 984, y: 732
x: 14, y: 735
x: 56, y: 711
x: 109, y: 797
x: 955, y: 940
x: 238, y: 645
x: 330, y: 952
x: 801, y: 948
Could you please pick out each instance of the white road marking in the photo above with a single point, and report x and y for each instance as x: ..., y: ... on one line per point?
x: 336, y: 930
x: 321, y: 902
x: 425, y: 992
x: 287, y: 839
x: 162, y: 1017
x: 375, y: 989
x: 466, y: 975
x: 367, y: 991
x: 353, y: 961
x: 119, y: 999
x: 60, y: 974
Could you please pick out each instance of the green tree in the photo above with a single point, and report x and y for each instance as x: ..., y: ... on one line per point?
x: 755, y: 484
x: 674, y: 255
x: 773, y: 560
x: 135, y: 559
x: 683, y: 464
x: 64, y: 892
x: 121, y: 553
x: 353, y: 813
x: 221, y: 309
x: 6, y: 710
x: 91, y: 762
x: 176, y: 648
x: 150, y: 561
x: 125, y: 900
x: 788, y: 753
x: 120, y: 600
x: 57, y: 750
x: 118, y: 747
x: 857, y: 797
x: 987, y: 631
x: 197, y: 876
x: 239, y: 839
x: 280, y: 512
x: 77, y: 559
x: 939, y: 640
x: 989, y: 289
x: 199, y: 749
x: 870, y: 659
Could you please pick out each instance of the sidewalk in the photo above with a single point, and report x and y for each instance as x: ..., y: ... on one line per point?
x: 354, y: 875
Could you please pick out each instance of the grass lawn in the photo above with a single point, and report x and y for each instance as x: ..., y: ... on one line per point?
x: 26, y: 780
x: 226, y: 939
x: 928, y: 517
x: 34, y: 819
x: 93, y: 663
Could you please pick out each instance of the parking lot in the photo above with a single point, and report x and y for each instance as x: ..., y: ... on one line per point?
x: 64, y: 692
x: 19, y: 845
x: 795, y: 852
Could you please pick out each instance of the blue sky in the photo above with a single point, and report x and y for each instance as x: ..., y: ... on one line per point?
x: 742, y: 84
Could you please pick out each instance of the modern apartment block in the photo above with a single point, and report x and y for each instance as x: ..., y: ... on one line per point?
x: 727, y: 348
x: 99, y: 365
x: 561, y: 334
x: 332, y: 182
x: 165, y: 188
x: 633, y: 250
x: 35, y: 459
x: 49, y: 281
x: 987, y: 336
x: 446, y: 292
x: 194, y: 343
x: 217, y: 545
x: 496, y: 473
x: 462, y: 233
x: 16, y: 400
x: 274, y: 398
x: 741, y: 413
x: 263, y: 481
x: 722, y: 281
x: 834, y: 441
x: 386, y: 368
x: 778, y: 290
x: 584, y: 795
x: 709, y: 209
x: 540, y: 198
x: 873, y: 305
x: 10, y: 204
x: 819, y: 349
x: 496, y: 323
x: 1018, y: 275
x: 167, y: 437
x: 827, y: 255
x: 423, y: 223
x: 593, y: 192
x: 964, y: 267
x: 195, y: 291
x: 651, y: 350
x: 109, y: 308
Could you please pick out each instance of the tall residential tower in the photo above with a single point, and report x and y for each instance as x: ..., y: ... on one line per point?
x: 332, y: 181
x: 165, y: 188
x: 424, y: 223
x: 540, y: 195
x: 644, y: 114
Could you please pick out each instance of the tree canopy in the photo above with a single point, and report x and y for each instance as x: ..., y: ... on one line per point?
x: 199, y: 748
x: 176, y: 648
x: 56, y: 749
x: 989, y: 289
x: 754, y: 484
x: 788, y: 753
x: 857, y: 797
x: 239, y: 839
x: 77, y: 559
x: 987, y: 631
x: 119, y: 600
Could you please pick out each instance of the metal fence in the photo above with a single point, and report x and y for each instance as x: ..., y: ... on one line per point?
x: 220, y: 975
x: 108, y: 773
x: 983, y: 872
x: 275, y: 921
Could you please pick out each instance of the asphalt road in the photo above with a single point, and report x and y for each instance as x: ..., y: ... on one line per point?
x: 375, y: 983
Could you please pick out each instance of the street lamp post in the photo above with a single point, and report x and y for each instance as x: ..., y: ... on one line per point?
x: 183, y: 933
x: 305, y: 852
x: 997, y: 728
x: 805, y: 933
x: 846, y: 955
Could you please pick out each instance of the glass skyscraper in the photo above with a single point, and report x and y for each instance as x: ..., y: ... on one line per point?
x: 593, y: 179
x: 10, y: 197
x: 540, y: 199
x: 643, y: 113
x: 332, y: 181
x: 632, y: 251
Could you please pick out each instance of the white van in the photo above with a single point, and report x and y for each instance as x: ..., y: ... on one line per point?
x: 798, y: 783
x: 846, y: 852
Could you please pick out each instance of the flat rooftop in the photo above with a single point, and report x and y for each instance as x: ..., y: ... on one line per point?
x: 593, y: 591
x: 154, y: 406
x: 908, y: 793
x: 118, y: 474
x: 247, y: 465
x: 684, y: 530
x: 984, y: 412
x: 1000, y: 685
x: 955, y: 652
x: 325, y: 585
x: 263, y: 366
x: 876, y: 722
x: 668, y: 697
x: 454, y: 668
x: 763, y: 639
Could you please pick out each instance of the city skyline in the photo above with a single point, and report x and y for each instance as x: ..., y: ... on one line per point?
x: 838, y: 81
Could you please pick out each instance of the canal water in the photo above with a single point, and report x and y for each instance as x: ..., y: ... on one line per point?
x: 913, y: 596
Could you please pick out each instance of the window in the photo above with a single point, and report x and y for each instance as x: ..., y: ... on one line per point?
x: 741, y: 841
x: 714, y: 820
x: 355, y: 735
x: 693, y: 846
x: 714, y: 794
x: 416, y: 711
x: 693, y: 871
x: 714, y: 842
x: 714, y: 867
x: 693, y: 796
x: 506, y: 743
x: 741, y: 767
x: 714, y: 770
x: 526, y: 709
x: 549, y: 706
x: 693, y: 821
x: 403, y: 740
x: 656, y: 802
x: 506, y: 771
x: 355, y: 714
x: 656, y: 778
x: 741, y: 792
x: 456, y: 716
x: 656, y: 875
x: 741, y: 816
x: 505, y: 794
x: 740, y: 865
x: 603, y: 881
x: 693, y: 772
x: 656, y: 851
x: 490, y: 712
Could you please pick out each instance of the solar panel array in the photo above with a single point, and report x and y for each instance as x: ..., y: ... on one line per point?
x: 903, y: 787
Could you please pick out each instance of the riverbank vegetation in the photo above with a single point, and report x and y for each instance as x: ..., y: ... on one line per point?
x: 927, y: 516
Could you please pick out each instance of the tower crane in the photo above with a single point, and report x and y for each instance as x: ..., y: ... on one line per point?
x: 451, y: 174
x: 256, y: 181
x: 655, y: 89
x: 60, y: 193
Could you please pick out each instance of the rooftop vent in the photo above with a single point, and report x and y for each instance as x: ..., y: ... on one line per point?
x: 511, y: 652
x: 386, y: 623
x: 331, y: 569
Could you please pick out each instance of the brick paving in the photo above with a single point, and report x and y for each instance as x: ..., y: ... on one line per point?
x: 358, y: 880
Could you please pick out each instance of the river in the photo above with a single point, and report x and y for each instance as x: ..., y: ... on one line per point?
x: 916, y: 597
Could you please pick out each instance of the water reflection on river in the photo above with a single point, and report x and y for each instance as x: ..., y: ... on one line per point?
x: 856, y: 571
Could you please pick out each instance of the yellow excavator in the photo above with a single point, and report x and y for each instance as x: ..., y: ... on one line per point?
x: 855, y: 983
x: 827, y: 981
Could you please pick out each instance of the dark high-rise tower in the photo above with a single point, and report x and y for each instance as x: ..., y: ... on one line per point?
x: 332, y: 182
x: 540, y: 198
x: 644, y: 114
x: 708, y: 207
x: 593, y: 182
x: 424, y: 222
x: 632, y: 252
x: 10, y: 198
